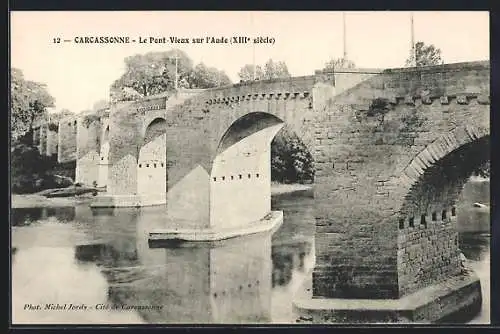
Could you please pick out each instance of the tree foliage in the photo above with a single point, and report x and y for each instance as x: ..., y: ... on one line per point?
x: 270, y: 70
x: 207, y: 77
x: 29, y: 101
x: 55, y: 117
x: 291, y: 162
x: 246, y: 73
x: 155, y: 72
x: 276, y: 70
x: 31, y: 171
x: 339, y: 63
x: 124, y: 94
x: 425, y: 55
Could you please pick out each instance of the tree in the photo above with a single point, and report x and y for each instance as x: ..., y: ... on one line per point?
x: 153, y: 73
x: 124, y: 94
x: 246, y: 73
x: 290, y: 160
x: 207, y: 77
x: 426, y: 55
x: 339, y: 63
x: 275, y: 70
x: 272, y: 70
x: 29, y: 101
x: 55, y: 117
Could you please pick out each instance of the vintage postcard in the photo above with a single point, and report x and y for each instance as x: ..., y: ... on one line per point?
x: 250, y: 167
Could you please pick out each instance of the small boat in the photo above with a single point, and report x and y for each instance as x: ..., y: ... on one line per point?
x: 70, y: 191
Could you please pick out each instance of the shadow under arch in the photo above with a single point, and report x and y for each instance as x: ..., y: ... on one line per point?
x: 435, y: 179
x: 151, y: 161
x: 245, y: 126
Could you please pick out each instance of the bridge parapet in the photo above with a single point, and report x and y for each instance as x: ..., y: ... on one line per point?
x: 442, y: 80
x: 280, y: 95
x: 292, y: 85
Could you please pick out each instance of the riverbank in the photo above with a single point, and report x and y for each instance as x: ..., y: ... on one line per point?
x: 279, y: 188
x: 39, y: 201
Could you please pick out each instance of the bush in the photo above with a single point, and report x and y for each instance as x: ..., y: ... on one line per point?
x: 32, y: 172
x: 291, y: 162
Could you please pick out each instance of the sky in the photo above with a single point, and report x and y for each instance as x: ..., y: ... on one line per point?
x: 78, y: 75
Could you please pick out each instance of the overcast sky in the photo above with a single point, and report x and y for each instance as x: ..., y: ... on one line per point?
x: 78, y: 75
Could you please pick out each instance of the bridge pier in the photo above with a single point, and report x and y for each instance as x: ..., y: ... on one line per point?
x: 458, y: 297
x: 120, y: 169
x: 87, y: 156
x: 372, y: 273
x: 386, y: 237
x: 240, y: 175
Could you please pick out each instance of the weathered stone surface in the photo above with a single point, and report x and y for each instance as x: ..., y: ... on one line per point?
x: 458, y: 296
x: 375, y: 238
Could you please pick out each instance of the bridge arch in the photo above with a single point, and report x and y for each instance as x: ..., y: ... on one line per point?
x: 241, y: 170
x: 435, y: 179
x: 104, y: 159
x: 151, y: 161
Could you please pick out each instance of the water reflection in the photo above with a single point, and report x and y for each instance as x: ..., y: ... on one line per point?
x: 102, y: 257
x: 28, y: 216
x: 49, y: 275
x: 469, y: 217
x: 286, y: 259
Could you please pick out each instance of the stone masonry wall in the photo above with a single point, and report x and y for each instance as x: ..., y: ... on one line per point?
x: 360, y: 157
x: 42, y: 147
x: 195, y: 127
x: 368, y: 161
x: 66, y: 146
x: 124, y: 136
x: 428, y: 238
x: 89, y: 141
x: 52, y: 138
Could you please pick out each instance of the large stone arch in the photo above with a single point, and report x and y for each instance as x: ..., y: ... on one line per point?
x: 151, y: 161
x: 434, y: 180
x: 241, y: 171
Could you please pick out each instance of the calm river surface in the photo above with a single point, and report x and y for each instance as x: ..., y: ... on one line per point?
x: 101, y: 259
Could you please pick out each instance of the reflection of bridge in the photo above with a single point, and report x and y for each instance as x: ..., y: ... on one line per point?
x: 228, y: 282
x: 392, y: 150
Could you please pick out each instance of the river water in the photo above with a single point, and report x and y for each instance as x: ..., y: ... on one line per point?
x: 101, y: 260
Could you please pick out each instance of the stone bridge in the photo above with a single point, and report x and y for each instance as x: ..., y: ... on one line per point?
x: 392, y: 150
